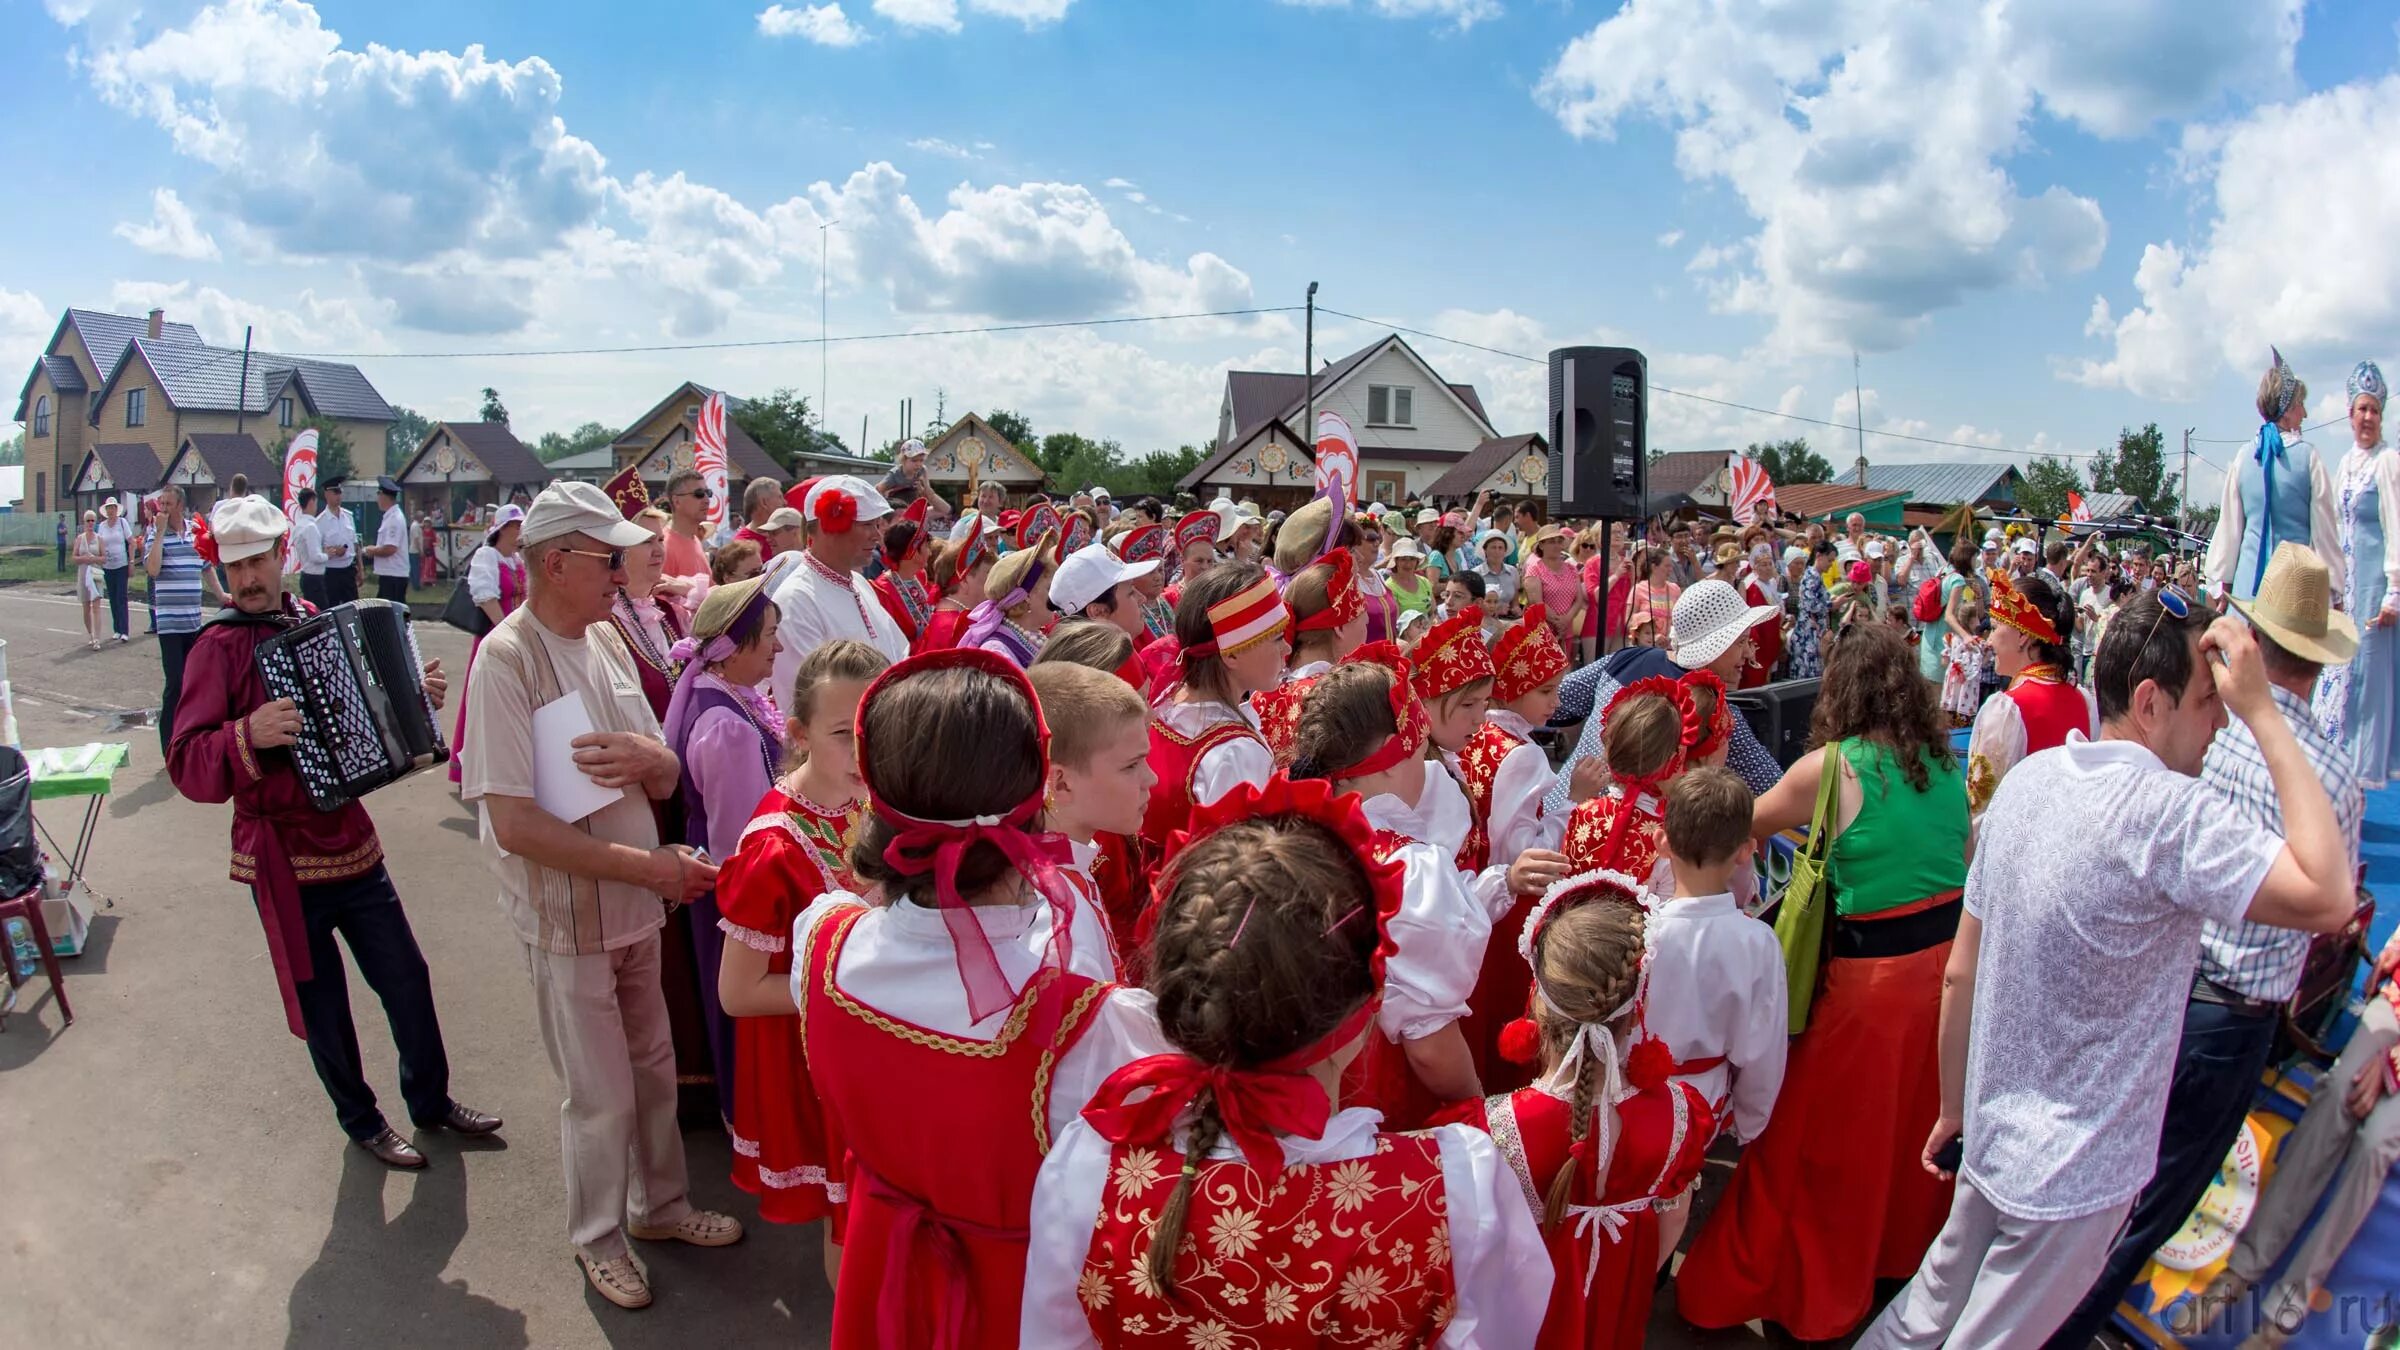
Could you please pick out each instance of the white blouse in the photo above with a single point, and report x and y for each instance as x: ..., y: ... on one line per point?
x: 1242, y: 760
x: 1517, y: 822
x: 1497, y: 1259
x: 899, y: 961
x: 1998, y: 742
x: 1716, y: 988
x: 483, y: 574
x: 2385, y: 463
x: 1441, y: 929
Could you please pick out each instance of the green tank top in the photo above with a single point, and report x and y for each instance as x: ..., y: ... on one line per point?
x: 1904, y: 844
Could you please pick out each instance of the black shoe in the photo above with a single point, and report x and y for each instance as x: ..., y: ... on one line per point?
x: 464, y: 1120
x: 393, y: 1151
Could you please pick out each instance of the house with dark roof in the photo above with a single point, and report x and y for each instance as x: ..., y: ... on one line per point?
x: 970, y: 450
x: 469, y: 463
x: 1939, y: 485
x: 207, y: 461
x: 1505, y: 466
x: 114, y: 469
x: 122, y: 380
x: 1412, y: 427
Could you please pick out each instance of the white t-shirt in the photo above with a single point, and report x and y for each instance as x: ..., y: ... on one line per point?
x: 2097, y: 866
x: 116, y: 541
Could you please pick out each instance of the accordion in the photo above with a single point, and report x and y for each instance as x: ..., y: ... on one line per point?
x: 354, y: 672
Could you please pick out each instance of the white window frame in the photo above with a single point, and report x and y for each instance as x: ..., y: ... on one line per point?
x: 1399, y: 405
x: 137, y: 408
x: 283, y: 411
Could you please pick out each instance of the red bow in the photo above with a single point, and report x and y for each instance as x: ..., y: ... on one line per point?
x: 1255, y: 1104
x: 919, y: 847
x: 204, y: 541
x: 837, y: 511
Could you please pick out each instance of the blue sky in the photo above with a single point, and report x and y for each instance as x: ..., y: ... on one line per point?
x: 2037, y: 220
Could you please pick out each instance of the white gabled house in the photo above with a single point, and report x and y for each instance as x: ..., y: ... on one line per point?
x: 1412, y: 427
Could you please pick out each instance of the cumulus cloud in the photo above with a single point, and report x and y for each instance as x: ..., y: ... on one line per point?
x: 1670, y: 239
x: 1463, y: 13
x: 1871, y: 141
x: 824, y: 25
x: 2296, y: 251
x: 172, y: 232
x: 312, y: 324
x: 941, y: 16
x: 25, y: 322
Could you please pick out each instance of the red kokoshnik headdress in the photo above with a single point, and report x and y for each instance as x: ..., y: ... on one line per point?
x: 1452, y: 656
x: 1035, y: 521
x: 1408, y: 713
x: 1343, y: 602
x: 2010, y: 606
x: 1701, y: 738
x: 1677, y: 693
x: 1278, y: 1097
x: 914, y: 515
x: 1526, y: 657
x: 925, y: 846
x: 1142, y: 543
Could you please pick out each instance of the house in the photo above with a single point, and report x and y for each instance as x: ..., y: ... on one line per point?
x: 661, y: 441
x: 1505, y: 466
x: 121, y: 380
x: 207, y: 460
x: 596, y: 465
x: 1940, y: 485
x: 114, y: 469
x: 1705, y: 476
x: 970, y: 450
x: 1832, y: 503
x: 1412, y: 426
x: 469, y: 463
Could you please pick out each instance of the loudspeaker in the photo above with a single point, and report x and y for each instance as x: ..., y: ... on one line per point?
x: 1778, y: 714
x: 1599, y: 432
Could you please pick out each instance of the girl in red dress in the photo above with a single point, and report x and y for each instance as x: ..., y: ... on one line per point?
x: 1232, y: 1205
x: 1230, y: 643
x: 1329, y: 621
x: 1606, y: 1138
x: 951, y: 1028
x: 1453, y: 675
x: 901, y: 587
x: 1641, y: 736
x: 957, y: 572
x: 792, y: 852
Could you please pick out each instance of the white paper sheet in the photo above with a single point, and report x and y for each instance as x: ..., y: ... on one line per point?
x: 560, y: 786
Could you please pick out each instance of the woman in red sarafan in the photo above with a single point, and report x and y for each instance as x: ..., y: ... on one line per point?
x: 901, y: 587
x: 1211, y: 1196
x: 956, y: 576
x: 792, y: 851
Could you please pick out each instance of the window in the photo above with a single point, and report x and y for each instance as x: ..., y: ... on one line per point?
x: 283, y: 412
x: 41, y: 416
x: 137, y: 407
x: 1391, y: 405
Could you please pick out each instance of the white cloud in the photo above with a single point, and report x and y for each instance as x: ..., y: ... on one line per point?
x: 1031, y: 13
x: 25, y: 322
x: 2297, y: 252
x: 824, y: 25
x: 935, y: 145
x: 2100, y: 322
x: 314, y: 325
x: 1670, y: 239
x: 936, y: 15
x: 1869, y: 140
x: 1464, y: 13
x: 172, y: 232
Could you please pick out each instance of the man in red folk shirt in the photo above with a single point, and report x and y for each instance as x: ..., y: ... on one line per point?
x: 313, y: 873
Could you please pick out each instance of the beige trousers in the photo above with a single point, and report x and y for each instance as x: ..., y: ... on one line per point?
x: 1992, y: 1280
x: 604, y: 1022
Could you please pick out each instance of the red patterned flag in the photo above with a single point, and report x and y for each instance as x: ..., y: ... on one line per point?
x: 2076, y: 510
x: 708, y: 456
x: 1751, y: 487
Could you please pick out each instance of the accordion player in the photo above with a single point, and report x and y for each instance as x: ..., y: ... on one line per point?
x: 355, y: 675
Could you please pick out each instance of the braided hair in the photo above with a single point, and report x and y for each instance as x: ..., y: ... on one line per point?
x: 1588, y: 958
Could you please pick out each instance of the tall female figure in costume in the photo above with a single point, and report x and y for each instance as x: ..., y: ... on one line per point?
x: 954, y: 1028
x: 1231, y: 1205
x: 2277, y: 489
x: 496, y: 583
x: 2359, y: 703
x: 1230, y: 643
x: 2031, y: 621
x: 957, y: 574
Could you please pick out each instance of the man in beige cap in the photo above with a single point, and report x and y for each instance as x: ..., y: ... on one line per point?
x: 584, y: 894
x: 312, y: 873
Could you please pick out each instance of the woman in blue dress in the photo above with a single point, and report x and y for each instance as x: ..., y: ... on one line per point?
x: 2356, y: 702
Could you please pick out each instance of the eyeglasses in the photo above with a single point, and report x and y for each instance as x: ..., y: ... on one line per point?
x: 615, y: 557
x: 702, y: 493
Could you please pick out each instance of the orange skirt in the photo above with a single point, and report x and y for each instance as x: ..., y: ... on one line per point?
x: 1833, y: 1197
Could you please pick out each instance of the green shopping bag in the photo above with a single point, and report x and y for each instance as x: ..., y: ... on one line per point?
x: 1807, y: 909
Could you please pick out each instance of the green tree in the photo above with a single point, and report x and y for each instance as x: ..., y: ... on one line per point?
x: 780, y: 423
x: 2138, y: 468
x: 333, y: 448
x: 1157, y: 473
x: 12, y: 450
x: 1789, y: 462
x: 2047, y: 482
x: 558, y: 445
x: 1013, y: 426
x: 493, y: 409
x: 407, y: 431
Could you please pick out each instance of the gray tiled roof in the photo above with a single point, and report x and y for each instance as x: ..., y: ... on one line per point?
x: 1260, y: 394
x: 1683, y: 470
x: 499, y: 450
x: 227, y: 454
x: 132, y: 466
x: 1464, y: 477
x: 65, y: 376
x: 1940, y: 483
x: 197, y: 376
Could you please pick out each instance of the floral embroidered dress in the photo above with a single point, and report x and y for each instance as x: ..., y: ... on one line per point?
x: 783, y: 1150
x: 1638, y: 848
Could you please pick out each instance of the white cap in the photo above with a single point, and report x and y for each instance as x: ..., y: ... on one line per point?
x: 1089, y: 573
x: 911, y: 448
x: 1992, y: 537
x: 245, y: 527
x: 1874, y: 548
x: 784, y: 518
x: 1406, y: 547
x: 2027, y: 546
x: 1794, y: 553
x: 566, y: 508
x: 1429, y: 516
x: 871, y: 505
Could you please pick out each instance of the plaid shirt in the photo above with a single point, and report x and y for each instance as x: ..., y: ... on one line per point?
x: 1586, y: 693
x: 2256, y: 959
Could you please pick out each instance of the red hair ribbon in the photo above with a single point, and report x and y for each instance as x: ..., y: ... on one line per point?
x: 1342, y: 599
x: 1409, y: 719
x: 1701, y: 739
x: 1255, y: 1104
x: 1635, y: 786
x: 204, y: 541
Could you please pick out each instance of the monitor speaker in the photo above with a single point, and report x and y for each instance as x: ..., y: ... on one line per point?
x: 1778, y: 714
x: 1599, y: 433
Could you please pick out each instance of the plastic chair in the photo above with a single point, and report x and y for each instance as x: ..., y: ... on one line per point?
x: 29, y: 906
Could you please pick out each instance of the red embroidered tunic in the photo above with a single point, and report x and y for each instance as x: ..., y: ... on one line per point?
x: 1278, y: 712
x: 783, y: 1150
x: 905, y: 599
x: 1501, y: 987
x: 1479, y: 762
x: 943, y: 629
x: 1604, y: 1252
x: 1350, y: 1253
x: 1637, y: 849
x: 1175, y: 758
x: 935, y: 1248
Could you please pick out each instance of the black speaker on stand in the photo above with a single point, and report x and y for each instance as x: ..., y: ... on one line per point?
x: 1778, y: 714
x: 1599, y: 433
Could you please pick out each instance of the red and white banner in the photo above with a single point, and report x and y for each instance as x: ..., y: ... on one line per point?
x: 708, y: 456
x: 2076, y: 510
x: 1749, y: 488
x: 299, y: 471
x: 1337, y: 459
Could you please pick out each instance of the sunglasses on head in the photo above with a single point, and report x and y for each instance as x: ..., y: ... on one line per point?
x: 2170, y: 601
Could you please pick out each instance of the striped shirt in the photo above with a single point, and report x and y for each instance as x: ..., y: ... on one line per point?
x: 175, y: 593
x: 2256, y: 959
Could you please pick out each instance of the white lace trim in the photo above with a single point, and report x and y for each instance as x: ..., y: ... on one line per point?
x: 754, y: 939
x: 792, y: 1178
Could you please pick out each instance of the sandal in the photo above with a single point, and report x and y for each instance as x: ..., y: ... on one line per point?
x: 618, y: 1279
x: 700, y: 1228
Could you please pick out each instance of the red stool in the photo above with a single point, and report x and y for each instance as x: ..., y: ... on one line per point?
x: 29, y: 905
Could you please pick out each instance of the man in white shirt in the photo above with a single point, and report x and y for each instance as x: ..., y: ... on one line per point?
x: 389, y: 553
x: 824, y: 598
x: 308, y: 551
x: 2095, y: 868
x: 337, y: 539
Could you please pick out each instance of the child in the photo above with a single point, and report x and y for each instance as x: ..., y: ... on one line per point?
x: 791, y: 852
x: 901, y: 587
x: 1964, y: 660
x: 1453, y: 675
x: 1140, y: 544
x: 1605, y: 1135
x: 1642, y: 739
x: 1016, y: 612
x: 1329, y: 621
x: 1654, y: 598
x: 1229, y: 630
x: 1100, y: 780
x: 1195, y: 553
x: 1716, y: 975
x: 958, y: 571
x: 1232, y: 1205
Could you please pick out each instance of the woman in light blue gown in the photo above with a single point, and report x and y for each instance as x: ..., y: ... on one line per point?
x: 2356, y: 703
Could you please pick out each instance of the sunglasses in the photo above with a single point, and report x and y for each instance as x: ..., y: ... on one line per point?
x: 615, y: 557
x: 702, y: 493
x: 2170, y: 601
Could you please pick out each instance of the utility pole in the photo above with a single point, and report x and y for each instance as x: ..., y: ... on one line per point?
x: 2183, y: 499
x: 824, y: 278
x: 1308, y: 374
x: 1858, y: 409
x: 241, y: 398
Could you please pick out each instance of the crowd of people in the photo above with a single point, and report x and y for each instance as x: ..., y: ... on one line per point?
x: 1117, y: 925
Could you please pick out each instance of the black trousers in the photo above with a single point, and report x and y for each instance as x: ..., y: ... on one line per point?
x: 394, y: 589
x: 2217, y: 1067
x: 341, y: 585
x: 172, y: 648
x: 312, y: 588
x: 117, y: 578
x: 366, y: 912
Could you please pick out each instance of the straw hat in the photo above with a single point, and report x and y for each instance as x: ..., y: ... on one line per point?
x: 724, y: 604
x: 2295, y: 607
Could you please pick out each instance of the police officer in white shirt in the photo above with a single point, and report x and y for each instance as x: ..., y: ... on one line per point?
x: 337, y: 540
x: 389, y: 553
x: 308, y: 550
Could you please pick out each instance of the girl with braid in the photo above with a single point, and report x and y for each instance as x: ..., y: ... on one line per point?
x: 1605, y: 1138
x: 1212, y: 1195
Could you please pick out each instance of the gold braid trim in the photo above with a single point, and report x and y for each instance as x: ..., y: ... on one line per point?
x: 241, y: 747
x: 1982, y: 782
x: 307, y: 868
x: 933, y: 1040
x: 1050, y: 1053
